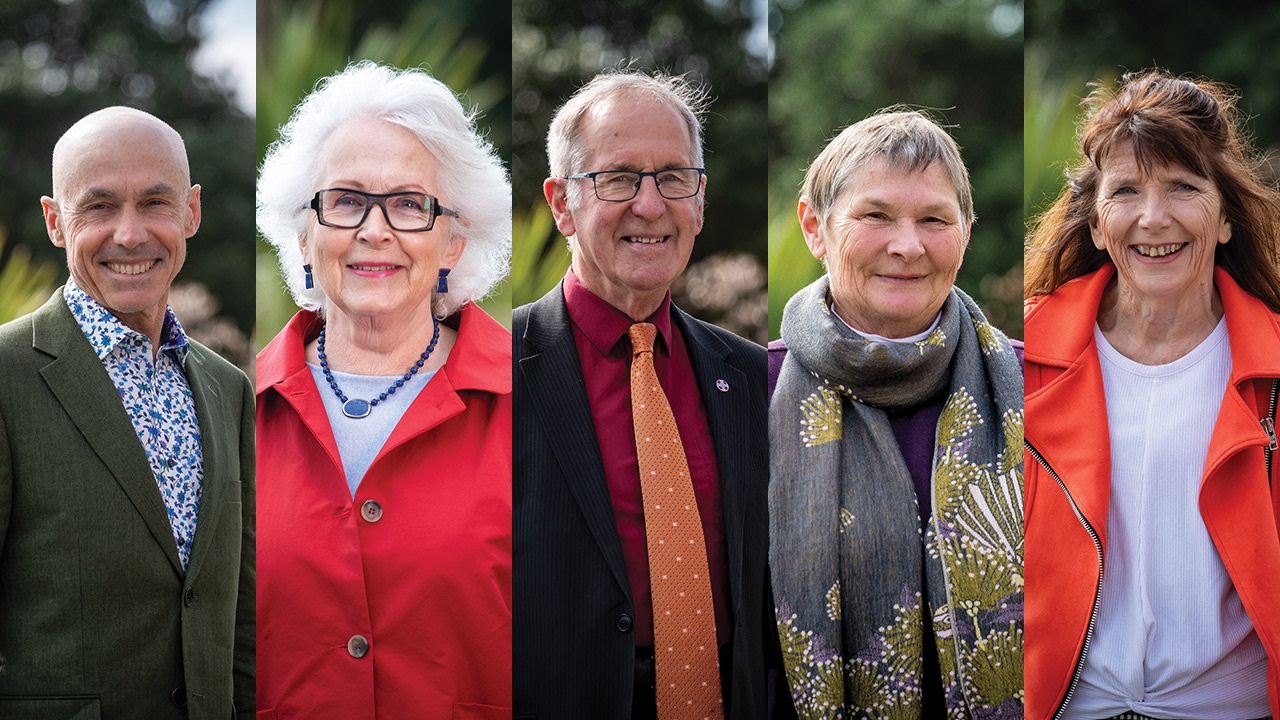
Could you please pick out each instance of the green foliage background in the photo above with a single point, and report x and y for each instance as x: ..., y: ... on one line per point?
x: 59, y: 62
x: 465, y: 45
x: 838, y: 61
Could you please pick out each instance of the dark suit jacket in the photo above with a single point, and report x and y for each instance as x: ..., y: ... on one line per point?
x: 573, y: 645
x: 96, y: 617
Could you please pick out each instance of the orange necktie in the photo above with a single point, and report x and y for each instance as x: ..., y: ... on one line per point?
x: 686, y: 655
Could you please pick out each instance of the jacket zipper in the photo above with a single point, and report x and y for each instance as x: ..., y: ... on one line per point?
x: 1269, y: 425
x: 1097, y: 595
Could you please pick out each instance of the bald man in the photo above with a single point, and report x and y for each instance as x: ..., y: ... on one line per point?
x: 126, y: 458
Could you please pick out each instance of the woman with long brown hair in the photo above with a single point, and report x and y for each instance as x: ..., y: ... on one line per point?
x: 1152, y: 352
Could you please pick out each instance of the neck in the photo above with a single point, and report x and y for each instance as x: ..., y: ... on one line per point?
x: 1157, y: 330
x: 636, y: 306
x: 377, y: 346
x: 148, y: 324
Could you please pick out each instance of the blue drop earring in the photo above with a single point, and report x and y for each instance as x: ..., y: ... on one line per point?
x: 311, y: 283
x: 442, y: 284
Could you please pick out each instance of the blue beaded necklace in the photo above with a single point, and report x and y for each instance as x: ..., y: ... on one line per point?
x: 357, y: 408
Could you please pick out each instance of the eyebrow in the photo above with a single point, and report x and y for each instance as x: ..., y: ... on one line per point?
x: 939, y: 208
x: 100, y: 193
x: 632, y: 167
x: 405, y: 187
x: 95, y: 193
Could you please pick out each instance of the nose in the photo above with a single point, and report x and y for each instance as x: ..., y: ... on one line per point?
x: 376, y: 226
x: 905, y: 242
x: 648, y: 202
x: 1154, y: 212
x: 131, y: 231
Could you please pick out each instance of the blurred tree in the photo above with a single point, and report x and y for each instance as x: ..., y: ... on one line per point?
x: 465, y: 45
x: 60, y: 61
x: 1070, y: 43
x: 837, y: 62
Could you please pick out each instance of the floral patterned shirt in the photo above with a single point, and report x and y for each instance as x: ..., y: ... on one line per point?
x: 159, y: 403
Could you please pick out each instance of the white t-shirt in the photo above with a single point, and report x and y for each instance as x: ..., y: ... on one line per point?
x: 1172, y: 639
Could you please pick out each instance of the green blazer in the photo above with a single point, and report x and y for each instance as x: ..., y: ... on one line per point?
x: 96, y: 617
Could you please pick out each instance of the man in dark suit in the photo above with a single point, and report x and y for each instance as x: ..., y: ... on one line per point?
x: 627, y: 191
x: 126, y: 458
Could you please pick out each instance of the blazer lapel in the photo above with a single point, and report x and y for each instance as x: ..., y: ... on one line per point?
x: 552, y: 378
x: 211, y: 412
x: 727, y: 415
x: 81, y: 385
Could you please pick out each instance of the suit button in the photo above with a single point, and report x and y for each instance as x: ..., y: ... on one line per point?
x: 178, y: 697
x: 188, y: 597
x: 358, y: 646
x: 624, y: 622
x: 371, y: 511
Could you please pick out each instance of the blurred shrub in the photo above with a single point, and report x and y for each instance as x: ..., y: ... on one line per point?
x: 24, y: 284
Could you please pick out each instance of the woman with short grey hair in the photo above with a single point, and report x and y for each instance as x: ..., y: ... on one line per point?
x: 895, y: 434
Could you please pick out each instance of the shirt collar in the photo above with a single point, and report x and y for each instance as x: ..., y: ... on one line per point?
x: 603, y: 324
x: 105, y: 332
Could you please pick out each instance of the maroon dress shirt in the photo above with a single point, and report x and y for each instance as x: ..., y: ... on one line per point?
x: 604, y: 349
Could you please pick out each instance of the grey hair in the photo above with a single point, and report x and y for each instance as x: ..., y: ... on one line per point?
x: 566, y: 150
x: 479, y: 189
x: 907, y: 139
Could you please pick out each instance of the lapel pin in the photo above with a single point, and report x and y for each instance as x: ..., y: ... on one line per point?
x: 721, y: 385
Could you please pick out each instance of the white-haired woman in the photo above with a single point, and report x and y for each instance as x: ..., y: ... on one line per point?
x: 384, y: 410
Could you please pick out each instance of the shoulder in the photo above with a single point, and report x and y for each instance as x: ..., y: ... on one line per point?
x: 214, y: 363
x: 482, y: 329
x: 481, y: 356
x: 217, y: 368
x: 707, y: 335
x: 777, y: 353
x: 15, y: 336
x: 23, y: 339
x: 534, y: 325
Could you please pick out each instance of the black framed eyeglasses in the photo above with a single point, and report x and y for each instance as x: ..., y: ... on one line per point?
x: 623, y: 185
x: 405, y: 211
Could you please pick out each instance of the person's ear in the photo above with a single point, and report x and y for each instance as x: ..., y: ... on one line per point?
x: 555, y: 190
x: 812, y: 227
x: 52, y: 217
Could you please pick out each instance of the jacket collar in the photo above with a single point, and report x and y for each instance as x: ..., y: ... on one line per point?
x: 1059, y: 326
x: 480, y: 359
x: 78, y: 381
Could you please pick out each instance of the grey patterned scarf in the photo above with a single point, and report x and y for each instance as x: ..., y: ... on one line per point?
x: 849, y: 578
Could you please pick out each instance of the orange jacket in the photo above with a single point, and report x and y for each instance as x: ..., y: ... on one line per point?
x: 1068, y: 481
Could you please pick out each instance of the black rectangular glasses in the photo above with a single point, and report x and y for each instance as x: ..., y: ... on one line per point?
x: 405, y: 211
x: 622, y: 185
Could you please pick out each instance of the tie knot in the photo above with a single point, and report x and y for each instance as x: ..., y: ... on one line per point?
x: 642, y: 335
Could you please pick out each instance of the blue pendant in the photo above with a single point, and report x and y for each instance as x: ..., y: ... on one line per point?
x: 356, y: 408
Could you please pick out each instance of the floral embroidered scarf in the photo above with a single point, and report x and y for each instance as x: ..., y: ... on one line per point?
x: 850, y: 579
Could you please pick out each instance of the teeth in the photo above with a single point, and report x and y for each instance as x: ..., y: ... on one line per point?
x: 1158, y: 250
x: 372, y: 268
x: 131, y: 268
x: 645, y: 240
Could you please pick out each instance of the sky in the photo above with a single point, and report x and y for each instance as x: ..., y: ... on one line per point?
x: 227, y: 51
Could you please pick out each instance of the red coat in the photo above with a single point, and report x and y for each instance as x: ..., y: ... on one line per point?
x: 1066, y: 425
x: 428, y: 584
